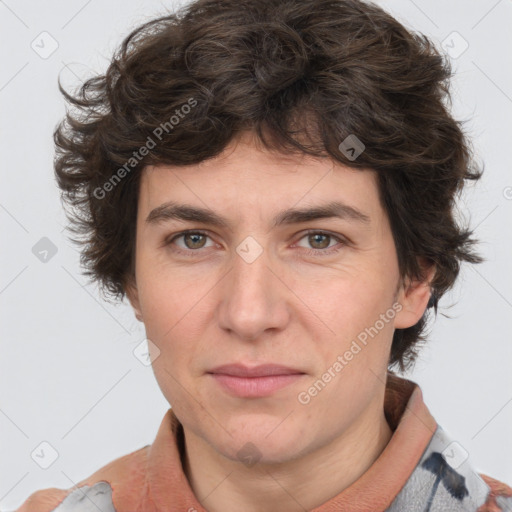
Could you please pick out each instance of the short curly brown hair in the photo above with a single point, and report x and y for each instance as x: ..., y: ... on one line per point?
x: 303, y: 75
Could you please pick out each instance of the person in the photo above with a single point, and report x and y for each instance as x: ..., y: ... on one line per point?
x: 224, y: 142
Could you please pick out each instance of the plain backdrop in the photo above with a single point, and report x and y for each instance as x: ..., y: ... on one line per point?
x: 68, y: 374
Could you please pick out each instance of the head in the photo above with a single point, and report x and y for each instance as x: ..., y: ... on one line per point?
x: 245, y: 109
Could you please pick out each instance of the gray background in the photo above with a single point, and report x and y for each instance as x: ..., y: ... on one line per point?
x: 68, y: 375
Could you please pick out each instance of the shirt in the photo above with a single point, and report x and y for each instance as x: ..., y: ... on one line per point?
x: 420, y: 470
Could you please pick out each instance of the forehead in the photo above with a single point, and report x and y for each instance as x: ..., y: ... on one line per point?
x: 247, y: 181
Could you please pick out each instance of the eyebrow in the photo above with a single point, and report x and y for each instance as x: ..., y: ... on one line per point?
x: 335, y: 209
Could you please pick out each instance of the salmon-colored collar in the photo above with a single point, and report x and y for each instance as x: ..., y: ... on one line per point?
x: 408, y: 417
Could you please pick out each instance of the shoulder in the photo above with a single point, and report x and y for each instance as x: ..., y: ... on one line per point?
x: 499, y: 497
x: 83, y: 498
x: 126, y: 475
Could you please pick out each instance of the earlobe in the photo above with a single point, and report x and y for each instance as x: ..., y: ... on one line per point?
x: 133, y: 296
x: 413, y: 297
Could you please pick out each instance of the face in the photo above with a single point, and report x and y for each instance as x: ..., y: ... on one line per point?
x: 317, y: 294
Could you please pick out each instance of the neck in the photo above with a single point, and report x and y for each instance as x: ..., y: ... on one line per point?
x: 224, y: 485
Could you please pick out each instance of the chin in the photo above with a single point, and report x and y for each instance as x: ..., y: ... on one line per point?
x: 264, y: 441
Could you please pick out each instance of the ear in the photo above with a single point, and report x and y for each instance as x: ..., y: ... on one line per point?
x: 414, y: 295
x: 133, y: 296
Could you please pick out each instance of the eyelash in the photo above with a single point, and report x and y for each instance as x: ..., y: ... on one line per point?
x: 309, y: 252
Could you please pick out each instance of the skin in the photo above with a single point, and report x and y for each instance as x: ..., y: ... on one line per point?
x: 286, y: 307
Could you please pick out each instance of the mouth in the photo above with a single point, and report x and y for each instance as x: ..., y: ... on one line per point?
x: 259, y: 381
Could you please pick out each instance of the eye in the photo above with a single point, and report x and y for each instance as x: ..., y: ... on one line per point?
x: 322, y: 239
x: 193, y: 240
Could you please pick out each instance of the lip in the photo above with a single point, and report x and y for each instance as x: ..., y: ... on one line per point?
x: 262, y: 370
x: 258, y: 381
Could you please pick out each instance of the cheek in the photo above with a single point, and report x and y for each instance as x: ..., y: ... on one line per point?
x: 353, y: 300
x: 165, y: 296
x: 173, y: 307
x: 162, y: 313
x: 352, y: 309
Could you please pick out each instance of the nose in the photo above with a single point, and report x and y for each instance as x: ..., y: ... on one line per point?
x: 253, y: 297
